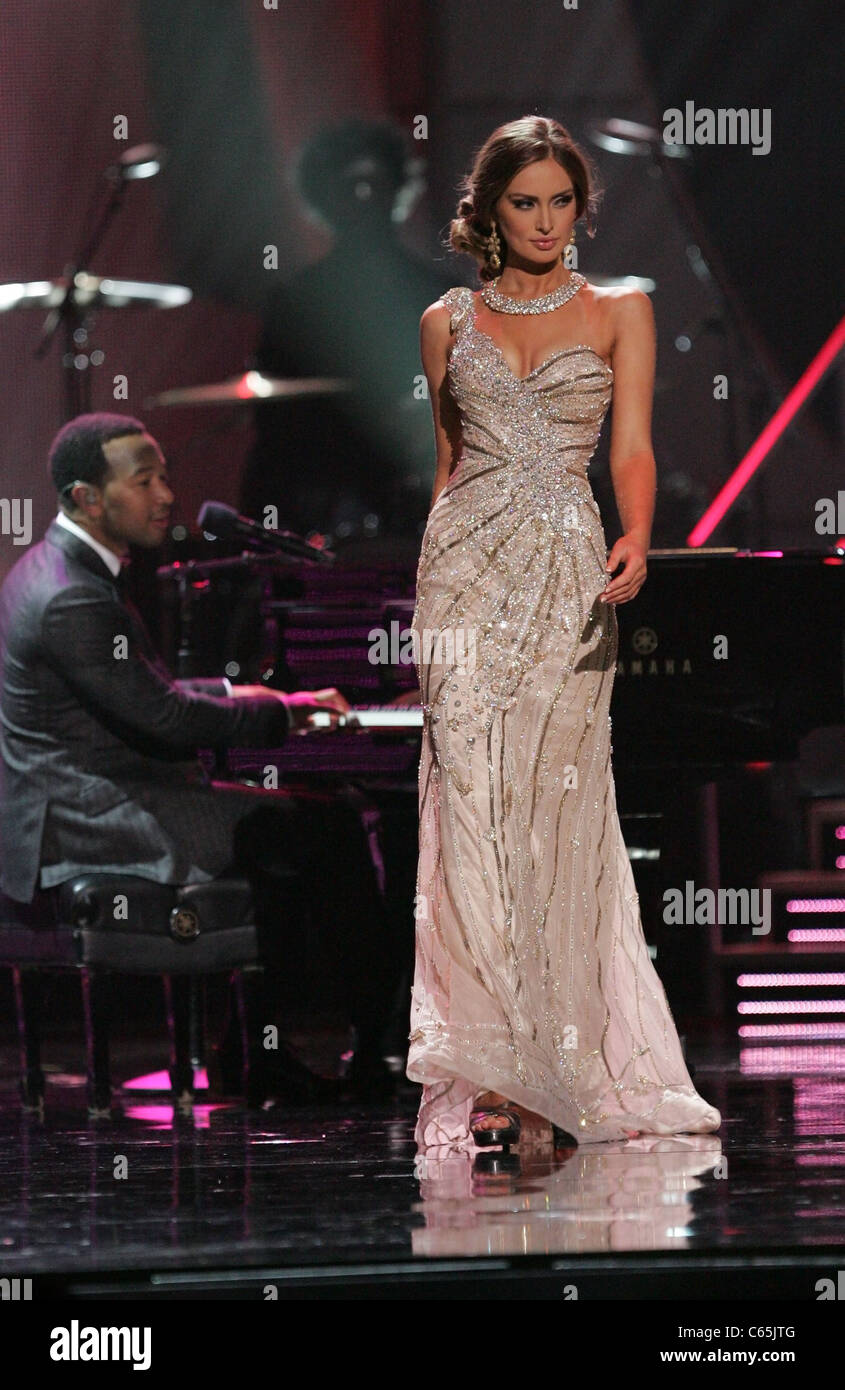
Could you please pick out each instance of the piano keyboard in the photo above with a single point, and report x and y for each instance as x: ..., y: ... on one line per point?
x: 378, y: 717
x: 380, y: 742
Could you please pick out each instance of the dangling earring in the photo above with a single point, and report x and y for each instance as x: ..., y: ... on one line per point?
x: 494, y: 246
x: 567, y: 257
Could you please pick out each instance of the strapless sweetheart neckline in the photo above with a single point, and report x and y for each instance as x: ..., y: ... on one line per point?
x: 561, y: 352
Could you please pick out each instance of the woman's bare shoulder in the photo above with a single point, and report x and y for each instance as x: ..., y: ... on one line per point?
x: 621, y: 300
x: 623, y: 310
x: 439, y: 309
x: 435, y: 324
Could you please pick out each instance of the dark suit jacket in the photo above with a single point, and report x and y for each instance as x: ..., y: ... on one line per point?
x: 97, y: 743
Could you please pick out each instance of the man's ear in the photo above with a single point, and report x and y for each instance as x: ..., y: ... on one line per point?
x: 90, y: 497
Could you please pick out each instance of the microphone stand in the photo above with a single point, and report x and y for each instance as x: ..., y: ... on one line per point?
x: 192, y: 578
x: 76, y: 358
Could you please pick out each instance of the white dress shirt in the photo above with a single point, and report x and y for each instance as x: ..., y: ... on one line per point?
x: 107, y: 556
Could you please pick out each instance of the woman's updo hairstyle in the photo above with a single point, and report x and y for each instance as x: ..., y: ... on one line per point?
x: 510, y: 148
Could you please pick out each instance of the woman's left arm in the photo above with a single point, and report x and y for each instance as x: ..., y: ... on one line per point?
x: 632, y: 466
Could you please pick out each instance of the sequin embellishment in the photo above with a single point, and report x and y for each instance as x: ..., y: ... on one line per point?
x: 532, y: 975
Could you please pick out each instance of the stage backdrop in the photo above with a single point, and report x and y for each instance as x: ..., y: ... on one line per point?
x: 232, y: 87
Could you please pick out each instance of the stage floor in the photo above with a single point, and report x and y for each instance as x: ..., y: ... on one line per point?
x: 306, y: 1202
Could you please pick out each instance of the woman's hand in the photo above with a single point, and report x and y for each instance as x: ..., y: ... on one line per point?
x: 630, y: 553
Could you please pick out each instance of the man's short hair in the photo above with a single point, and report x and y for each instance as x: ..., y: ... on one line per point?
x: 76, y: 454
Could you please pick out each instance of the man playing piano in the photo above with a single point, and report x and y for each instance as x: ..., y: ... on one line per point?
x: 99, y: 743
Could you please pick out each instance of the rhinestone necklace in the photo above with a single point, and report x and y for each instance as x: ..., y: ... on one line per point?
x: 544, y: 304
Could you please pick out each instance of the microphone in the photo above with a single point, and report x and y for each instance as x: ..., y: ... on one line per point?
x: 220, y: 520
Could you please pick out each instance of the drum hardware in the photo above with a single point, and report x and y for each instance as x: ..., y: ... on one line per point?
x: 249, y: 388
x: 73, y: 299
x: 192, y: 578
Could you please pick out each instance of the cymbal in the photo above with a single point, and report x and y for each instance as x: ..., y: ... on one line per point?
x: 252, y: 386
x: 634, y: 138
x: 627, y: 282
x: 93, y: 292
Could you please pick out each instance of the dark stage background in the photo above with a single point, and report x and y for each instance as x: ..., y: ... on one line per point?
x: 232, y: 88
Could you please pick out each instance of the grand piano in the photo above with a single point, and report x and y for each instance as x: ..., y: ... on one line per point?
x: 725, y: 657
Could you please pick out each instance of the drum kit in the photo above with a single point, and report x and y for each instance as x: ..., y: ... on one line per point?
x: 78, y: 300
x: 71, y: 303
x: 73, y: 299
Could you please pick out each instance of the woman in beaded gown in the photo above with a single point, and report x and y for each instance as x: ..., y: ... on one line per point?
x: 533, y: 983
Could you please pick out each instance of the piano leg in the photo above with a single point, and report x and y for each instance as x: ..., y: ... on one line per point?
x: 711, y: 875
x: 250, y: 996
x: 688, y: 841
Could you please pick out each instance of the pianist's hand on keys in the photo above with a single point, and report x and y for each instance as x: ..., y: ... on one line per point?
x: 308, y: 709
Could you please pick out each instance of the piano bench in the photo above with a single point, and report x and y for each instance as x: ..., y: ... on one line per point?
x: 105, y: 924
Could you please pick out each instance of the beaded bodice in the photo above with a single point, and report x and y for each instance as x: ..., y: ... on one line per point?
x: 519, y: 503
x: 549, y: 420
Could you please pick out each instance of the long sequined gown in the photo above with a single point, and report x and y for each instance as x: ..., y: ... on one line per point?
x: 532, y: 974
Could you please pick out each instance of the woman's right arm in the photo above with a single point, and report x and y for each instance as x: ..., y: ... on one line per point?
x: 435, y: 340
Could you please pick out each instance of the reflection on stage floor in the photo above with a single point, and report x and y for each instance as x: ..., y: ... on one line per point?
x: 293, y: 1193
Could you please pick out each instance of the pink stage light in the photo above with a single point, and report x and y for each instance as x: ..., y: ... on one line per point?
x: 161, y: 1116
x: 791, y: 1006
x: 805, y: 934
x: 816, y: 905
x: 839, y: 832
x: 785, y: 413
x: 818, y: 978
x: 160, y: 1081
x: 785, y: 1032
x: 789, y: 1061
